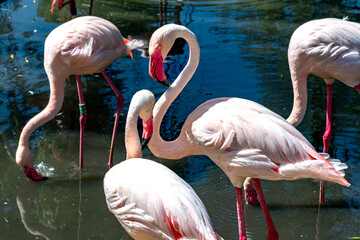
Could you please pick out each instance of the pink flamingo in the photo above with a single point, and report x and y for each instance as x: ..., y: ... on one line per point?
x: 149, y: 200
x: 328, y: 48
x: 243, y: 138
x: 81, y: 46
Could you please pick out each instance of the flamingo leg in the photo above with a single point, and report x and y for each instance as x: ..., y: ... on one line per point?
x: 327, y: 135
x: 91, y: 6
x: 120, y: 103
x: 82, y: 119
x: 272, y: 233
x: 240, y: 210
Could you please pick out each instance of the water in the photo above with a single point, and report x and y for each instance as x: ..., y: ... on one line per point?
x: 243, y: 54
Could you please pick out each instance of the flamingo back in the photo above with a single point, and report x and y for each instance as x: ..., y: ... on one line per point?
x: 328, y: 48
x: 246, y: 139
x: 152, y: 202
x: 85, y: 45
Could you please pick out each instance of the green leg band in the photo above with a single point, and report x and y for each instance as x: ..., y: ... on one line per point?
x: 82, y: 108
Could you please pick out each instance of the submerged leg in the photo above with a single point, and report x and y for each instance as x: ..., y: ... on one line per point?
x: 120, y: 103
x: 327, y: 135
x: 82, y: 119
x: 240, y: 210
x: 272, y: 233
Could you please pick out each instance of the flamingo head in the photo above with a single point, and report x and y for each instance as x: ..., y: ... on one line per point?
x: 145, y: 102
x: 25, y: 160
x: 159, y: 46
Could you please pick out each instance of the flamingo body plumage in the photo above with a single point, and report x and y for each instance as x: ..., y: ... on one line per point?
x: 328, y: 48
x: 149, y: 200
x: 243, y: 138
x: 84, y: 45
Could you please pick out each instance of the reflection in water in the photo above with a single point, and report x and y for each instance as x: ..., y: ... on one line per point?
x: 25, y: 202
x: 177, y: 48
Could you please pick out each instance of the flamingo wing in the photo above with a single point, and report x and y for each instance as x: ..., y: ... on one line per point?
x: 151, y: 201
x: 331, y: 47
x: 248, y: 140
x: 86, y: 44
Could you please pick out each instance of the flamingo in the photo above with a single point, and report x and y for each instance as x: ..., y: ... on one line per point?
x: 84, y: 45
x: 243, y: 138
x: 149, y: 200
x: 328, y: 48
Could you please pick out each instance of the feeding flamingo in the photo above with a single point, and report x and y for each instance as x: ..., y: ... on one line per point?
x: 149, y: 200
x: 243, y: 138
x: 84, y: 45
x: 328, y: 48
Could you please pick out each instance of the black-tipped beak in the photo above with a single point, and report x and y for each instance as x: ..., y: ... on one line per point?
x: 144, y: 142
x: 164, y: 82
x: 33, y: 175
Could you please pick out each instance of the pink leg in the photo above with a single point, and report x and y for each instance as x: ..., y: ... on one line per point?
x: 272, y: 233
x: 120, y: 102
x: 82, y: 119
x: 240, y: 210
x: 327, y: 135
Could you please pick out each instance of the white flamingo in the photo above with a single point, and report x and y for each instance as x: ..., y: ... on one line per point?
x: 243, y: 138
x: 84, y: 45
x: 150, y: 201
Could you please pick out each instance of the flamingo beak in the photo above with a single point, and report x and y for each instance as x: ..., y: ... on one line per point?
x: 126, y: 41
x: 33, y: 175
x: 147, y: 132
x: 156, y: 67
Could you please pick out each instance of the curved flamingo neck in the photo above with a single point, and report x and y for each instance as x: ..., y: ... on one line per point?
x: 178, y: 148
x: 299, y: 82
x: 49, y: 112
x: 57, y: 85
x: 132, y: 141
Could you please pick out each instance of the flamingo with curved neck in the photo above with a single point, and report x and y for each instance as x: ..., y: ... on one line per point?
x: 149, y: 200
x: 84, y: 45
x: 328, y: 48
x: 231, y: 132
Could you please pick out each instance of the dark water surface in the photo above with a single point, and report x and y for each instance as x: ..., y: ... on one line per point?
x: 243, y: 54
